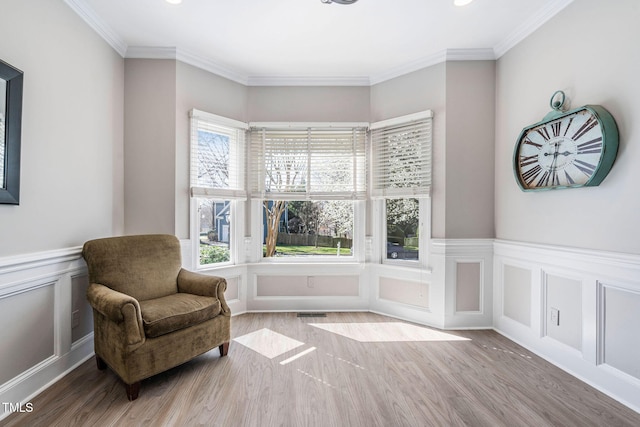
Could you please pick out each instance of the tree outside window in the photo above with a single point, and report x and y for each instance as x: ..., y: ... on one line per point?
x: 403, y: 220
x: 319, y: 228
x: 309, y: 178
x: 216, y: 181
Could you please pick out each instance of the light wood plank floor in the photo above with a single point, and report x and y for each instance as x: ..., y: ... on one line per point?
x: 484, y: 381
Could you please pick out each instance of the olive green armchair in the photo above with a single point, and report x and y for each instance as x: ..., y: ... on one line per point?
x: 149, y: 313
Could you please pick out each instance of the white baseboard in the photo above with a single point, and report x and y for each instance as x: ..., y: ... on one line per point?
x: 599, y: 294
x: 22, y: 389
x: 44, y: 284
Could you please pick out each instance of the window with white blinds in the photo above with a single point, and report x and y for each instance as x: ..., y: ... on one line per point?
x: 401, y: 161
x: 308, y: 163
x: 217, y: 156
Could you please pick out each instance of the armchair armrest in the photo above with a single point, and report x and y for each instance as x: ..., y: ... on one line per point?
x: 118, y: 308
x: 201, y: 284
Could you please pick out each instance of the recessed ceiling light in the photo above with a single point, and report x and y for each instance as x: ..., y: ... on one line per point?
x: 461, y: 2
x: 179, y: 1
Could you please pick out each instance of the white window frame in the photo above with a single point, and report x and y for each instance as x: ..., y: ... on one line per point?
x: 357, y: 255
x: 379, y: 194
x: 259, y: 195
x: 234, y: 195
x: 424, y: 233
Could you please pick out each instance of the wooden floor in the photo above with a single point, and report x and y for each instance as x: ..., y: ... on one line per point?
x: 486, y: 380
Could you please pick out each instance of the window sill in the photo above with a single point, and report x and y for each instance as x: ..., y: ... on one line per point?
x: 307, y: 261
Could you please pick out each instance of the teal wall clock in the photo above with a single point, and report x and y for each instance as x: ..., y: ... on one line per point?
x: 576, y: 148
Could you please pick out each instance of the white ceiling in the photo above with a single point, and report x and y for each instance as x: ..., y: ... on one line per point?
x: 307, y: 41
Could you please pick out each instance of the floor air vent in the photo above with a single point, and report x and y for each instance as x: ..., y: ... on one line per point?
x: 307, y: 314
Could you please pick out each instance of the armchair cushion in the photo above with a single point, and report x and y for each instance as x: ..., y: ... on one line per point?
x: 173, y: 312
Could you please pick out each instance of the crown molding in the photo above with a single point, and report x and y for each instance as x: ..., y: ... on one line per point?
x: 470, y: 55
x: 98, y: 25
x: 118, y: 44
x: 437, y: 58
x: 529, y: 26
x: 146, y: 52
x: 167, y: 52
x: 212, y: 66
x: 410, y: 67
x: 308, y: 81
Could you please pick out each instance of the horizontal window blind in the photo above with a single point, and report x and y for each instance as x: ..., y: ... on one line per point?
x: 217, y: 156
x: 308, y: 163
x: 401, y: 161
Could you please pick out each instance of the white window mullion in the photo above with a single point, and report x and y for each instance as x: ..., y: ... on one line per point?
x: 354, y: 162
x: 308, y: 183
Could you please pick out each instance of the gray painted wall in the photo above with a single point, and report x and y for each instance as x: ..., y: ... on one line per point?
x: 150, y: 146
x: 461, y: 95
x: 159, y: 89
x: 589, y: 50
x: 196, y: 88
x: 470, y: 124
x: 312, y: 103
x: 72, y: 124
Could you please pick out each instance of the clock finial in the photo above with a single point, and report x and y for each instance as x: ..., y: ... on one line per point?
x: 557, y: 104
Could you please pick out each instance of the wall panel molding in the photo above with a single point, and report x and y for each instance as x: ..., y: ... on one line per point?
x: 446, y: 255
x: 35, y: 260
x: 23, y: 279
x: 303, y: 275
x: 607, y: 288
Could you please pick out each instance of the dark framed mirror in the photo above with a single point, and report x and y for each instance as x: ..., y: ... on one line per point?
x: 10, y: 133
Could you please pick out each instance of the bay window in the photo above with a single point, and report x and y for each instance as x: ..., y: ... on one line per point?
x: 310, y: 182
x: 217, y: 182
x: 401, y: 183
x: 309, y: 179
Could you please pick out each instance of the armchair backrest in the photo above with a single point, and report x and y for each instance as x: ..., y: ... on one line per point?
x: 144, y: 266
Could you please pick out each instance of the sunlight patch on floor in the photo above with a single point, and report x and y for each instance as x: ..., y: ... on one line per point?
x: 386, y: 332
x: 268, y: 343
x: 298, y: 356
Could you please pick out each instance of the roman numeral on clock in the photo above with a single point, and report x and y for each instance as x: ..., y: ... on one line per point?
x: 586, y: 127
x: 586, y: 168
x: 530, y: 142
x: 555, y: 128
x: 528, y: 160
x: 569, y: 179
x: 544, y: 133
x: 568, y: 126
x: 594, y: 146
x: 544, y: 179
x: 530, y: 175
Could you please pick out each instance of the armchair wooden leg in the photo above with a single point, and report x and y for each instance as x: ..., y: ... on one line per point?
x: 100, y: 363
x: 132, y: 390
x: 224, y: 349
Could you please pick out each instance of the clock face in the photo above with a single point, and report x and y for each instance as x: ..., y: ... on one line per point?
x: 563, y: 152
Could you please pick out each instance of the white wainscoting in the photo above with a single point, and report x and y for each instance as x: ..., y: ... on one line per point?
x: 235, y: 295
x: 307, y: 287
x: 579, y: 309
x: 40, y: 339
x: 470, y: 283
x: 408, y: 293
x: 464, y: 267
x: 454, y: 292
